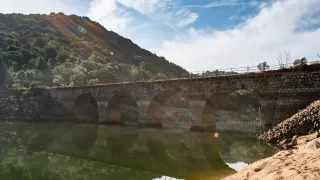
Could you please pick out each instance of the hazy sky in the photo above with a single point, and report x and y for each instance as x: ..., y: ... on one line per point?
x: 201, y: 34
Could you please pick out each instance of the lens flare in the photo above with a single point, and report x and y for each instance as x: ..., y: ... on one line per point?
x: 216, y: 135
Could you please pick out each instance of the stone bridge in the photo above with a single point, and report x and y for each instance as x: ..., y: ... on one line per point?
x: 279, y: 94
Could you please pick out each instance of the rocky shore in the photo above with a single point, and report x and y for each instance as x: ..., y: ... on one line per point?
x: 298, y: 139
x: 300, y: 163
x: 303, y: 126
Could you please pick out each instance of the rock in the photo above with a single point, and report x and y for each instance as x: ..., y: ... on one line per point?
x: 302, y: 140
x: 314, y: 144
x: 283, y: 142
x: 286, y: 147
x: 307, y: 138
x: 312, y: 136
x: 294, y: 141
x: 303, y: 123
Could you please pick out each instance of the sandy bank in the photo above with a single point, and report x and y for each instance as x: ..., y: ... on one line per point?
x: 300, y: 163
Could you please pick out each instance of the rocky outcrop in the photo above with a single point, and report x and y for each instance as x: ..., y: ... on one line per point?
x: 314, y: 144
x: 303, y: 126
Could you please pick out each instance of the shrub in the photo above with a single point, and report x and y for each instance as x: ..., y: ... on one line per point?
x: 3, y: 72
x: 300, y: 62
x: 160, y: 76
x: 263, y: 66
x: 93, y: 81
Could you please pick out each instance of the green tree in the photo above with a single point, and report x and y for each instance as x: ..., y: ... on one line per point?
x: 89, y: 65
x: 160, y: 76
x: 263, y: 66
x: 139, y: 73
x: 33, y: 75
x: 26, y: 80
x: 25, y: 54
x: 93, y: 81
x: 21, y: 75
x: 142, y: 65
x: 300, y: 62
x: 41, y: 64
x: 58, y: 79
x: 50, y: 52
x: 62, y: 56
x: 39, y: 42
x: 3, y: 71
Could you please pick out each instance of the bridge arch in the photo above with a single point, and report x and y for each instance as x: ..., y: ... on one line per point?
x: 122, y: 108
x: 85, y: 108
x: 170, y: 109
x: 216, y: 102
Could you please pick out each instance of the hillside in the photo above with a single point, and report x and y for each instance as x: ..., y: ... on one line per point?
x: 56, y: 49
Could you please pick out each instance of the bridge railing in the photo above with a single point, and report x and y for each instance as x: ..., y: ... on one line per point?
x: 191, y: 75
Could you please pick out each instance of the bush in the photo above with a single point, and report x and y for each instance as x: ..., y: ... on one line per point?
x: 3, y: 72
x: 263, y: 66
x: 93, y: 81
x: 57, y: 79
x: 89, y: 65
x: 300, y: 62
x: 160, y: 76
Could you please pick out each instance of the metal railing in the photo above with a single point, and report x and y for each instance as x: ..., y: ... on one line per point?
x: 191, y: 75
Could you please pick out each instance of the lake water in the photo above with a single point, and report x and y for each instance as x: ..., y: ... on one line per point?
x: 86, y: 152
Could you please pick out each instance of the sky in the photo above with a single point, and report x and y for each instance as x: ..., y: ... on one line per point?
x: 201, y: 34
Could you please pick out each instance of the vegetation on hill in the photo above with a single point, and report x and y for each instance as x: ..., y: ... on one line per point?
x: 56, y: 48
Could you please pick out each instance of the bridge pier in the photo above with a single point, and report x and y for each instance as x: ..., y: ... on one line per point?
x: 143, y: 106
x: 196, y: 108
x: 102, y: 111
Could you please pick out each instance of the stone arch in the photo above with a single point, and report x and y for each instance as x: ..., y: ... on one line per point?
x: 85, y: 108
x: 169, y: 108
x: 122, y: 108
x: 214, y: 100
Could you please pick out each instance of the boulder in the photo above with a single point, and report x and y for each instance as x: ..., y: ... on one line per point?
x: 314, y: 144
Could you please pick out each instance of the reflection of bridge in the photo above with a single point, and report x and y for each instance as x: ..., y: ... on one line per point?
x: 279, y: 94
x: 165, y: 152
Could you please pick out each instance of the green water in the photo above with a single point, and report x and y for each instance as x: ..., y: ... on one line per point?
x: 93, y: 152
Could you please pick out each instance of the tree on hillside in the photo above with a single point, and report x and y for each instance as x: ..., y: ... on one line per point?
x: 300, y: 62
x: 68, y: 54
x: 140, y: 73
x: 263, y: 66
x: 3, y: 72
x: 284, y: 59
x: 26, y: 80
x: 142, y: 66
x: 160, y: 76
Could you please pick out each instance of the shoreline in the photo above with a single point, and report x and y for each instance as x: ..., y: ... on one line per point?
x: 298, y: 141
x: 300, y: 163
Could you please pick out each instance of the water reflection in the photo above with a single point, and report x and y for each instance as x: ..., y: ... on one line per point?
x: 86, y: 151
x: 237, y: 166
